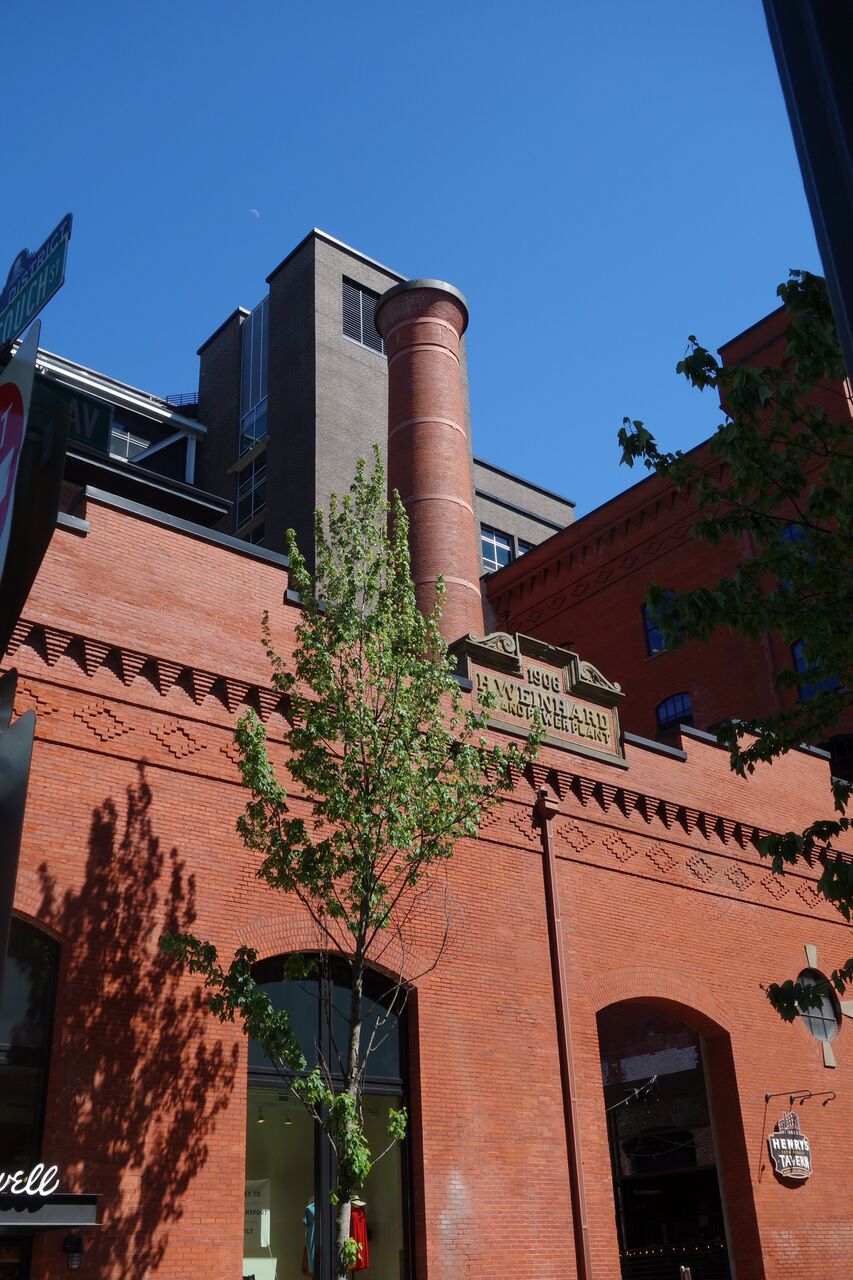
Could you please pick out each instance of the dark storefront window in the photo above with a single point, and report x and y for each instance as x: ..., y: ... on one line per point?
x: 26, y: 1018
x: 668, y: 1203
x: 289, y: 1222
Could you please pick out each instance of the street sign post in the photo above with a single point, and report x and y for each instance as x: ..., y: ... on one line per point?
x: 32, y: 281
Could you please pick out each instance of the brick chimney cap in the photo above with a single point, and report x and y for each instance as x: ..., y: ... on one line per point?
x: 440, y: 285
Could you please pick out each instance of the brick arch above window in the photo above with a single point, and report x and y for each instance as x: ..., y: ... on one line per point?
x: 688, y: 998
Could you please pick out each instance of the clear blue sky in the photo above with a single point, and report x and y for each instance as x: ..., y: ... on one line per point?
x: 600, y: 180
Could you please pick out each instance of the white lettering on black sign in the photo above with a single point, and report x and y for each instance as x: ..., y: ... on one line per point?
x: 39, y: 1181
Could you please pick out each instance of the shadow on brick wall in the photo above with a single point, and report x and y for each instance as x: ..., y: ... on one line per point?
x: 137, y: 1081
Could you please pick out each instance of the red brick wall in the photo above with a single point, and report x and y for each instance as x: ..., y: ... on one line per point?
x: 139, y: 647
x: 585, y: 587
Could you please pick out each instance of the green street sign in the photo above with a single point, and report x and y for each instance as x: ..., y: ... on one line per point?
x: 89, y: 420
x: 32, y: 281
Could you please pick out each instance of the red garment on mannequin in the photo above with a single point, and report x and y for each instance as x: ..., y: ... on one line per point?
x: 358, y: 1233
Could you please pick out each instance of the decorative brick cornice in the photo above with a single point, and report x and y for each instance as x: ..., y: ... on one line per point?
x: 130, y: 665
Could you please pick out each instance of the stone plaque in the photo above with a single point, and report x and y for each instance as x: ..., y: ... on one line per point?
x: 521, y: 675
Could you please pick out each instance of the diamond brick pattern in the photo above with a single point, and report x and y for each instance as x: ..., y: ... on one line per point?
x: 231, y: 751
x: 700, y: 868
x: 28, y: 699
x: 661, y: 858
x: 809, y: 894
x: 177, y: 740
x: 621, y: 848
x: 774, y: 886
x: 522, y: 821
x: 738, y: 877
x: 103, y: 722
x: 573, y: 835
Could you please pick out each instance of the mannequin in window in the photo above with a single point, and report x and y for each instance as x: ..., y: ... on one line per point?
x: 358, y: 1233
x: 309, y: 1222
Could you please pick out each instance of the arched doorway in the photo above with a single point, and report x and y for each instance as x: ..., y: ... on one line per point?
x: 289, y: 1221
x: 667, y: 1186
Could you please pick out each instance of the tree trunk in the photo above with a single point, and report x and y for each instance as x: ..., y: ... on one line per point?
x: 344, y: 1210
x: 345, y: 1188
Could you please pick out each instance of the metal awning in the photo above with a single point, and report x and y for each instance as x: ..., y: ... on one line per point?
x: 62, y: 1211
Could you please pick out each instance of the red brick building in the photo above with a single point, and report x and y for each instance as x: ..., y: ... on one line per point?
x: 586, y: 587
x: 587, y: 1071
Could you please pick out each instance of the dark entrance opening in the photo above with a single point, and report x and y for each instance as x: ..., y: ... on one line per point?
x: 669, y: 1207
x: 289, y: 1222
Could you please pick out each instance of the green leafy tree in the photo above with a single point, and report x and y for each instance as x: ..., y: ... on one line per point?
x: 778, y: 474
x: 390, y: 767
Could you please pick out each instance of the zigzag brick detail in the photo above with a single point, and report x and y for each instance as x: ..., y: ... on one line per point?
x: 20, y: 632
x: 130, y: 664
x: 166, y: 674
x: 94, y: 653
x: 202, y: 682
x: 235, y: 692
x: 268, y: 700
x: 56, y: 643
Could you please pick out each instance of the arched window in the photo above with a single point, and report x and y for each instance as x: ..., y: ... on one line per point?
x: 824, y: 1020
x: 289, y: 1163
x: 676, y: 709
x: 669, y: 1207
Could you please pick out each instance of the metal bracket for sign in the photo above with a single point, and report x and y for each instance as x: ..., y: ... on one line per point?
x: 803, y: 1095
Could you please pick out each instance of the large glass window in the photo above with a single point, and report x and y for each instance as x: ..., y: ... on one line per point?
x: 289, y: 1222
x: 667, y: 1192
x: 26, y: 1019
x: 251, y: 490
x: 496, y: 548
x: 824, y: 1020
x: 655, y: 642
x: 253, y: 378
x: 808, y: 688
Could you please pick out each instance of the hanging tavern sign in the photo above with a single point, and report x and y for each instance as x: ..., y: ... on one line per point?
x: 789, y: 1149
x: 518, y: 676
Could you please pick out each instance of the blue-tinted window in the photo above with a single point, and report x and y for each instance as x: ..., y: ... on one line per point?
x: 496, y: 548
x: 677, y: 709
x: 251, y: 490
x: 319, y: 1009
x: 253, y: 377
x: 809, y: 688
x: 654, y: 635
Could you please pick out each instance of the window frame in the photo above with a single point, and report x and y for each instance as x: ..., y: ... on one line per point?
x: 366, y: 316
x: 248, y: 484
x: 677, y: 708
x: 399, y: 1087
x: 806, y: 690
x: 254, y: 371
x: 813, y: 978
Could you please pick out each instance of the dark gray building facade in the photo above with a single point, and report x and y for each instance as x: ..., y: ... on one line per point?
x: 294, y: 392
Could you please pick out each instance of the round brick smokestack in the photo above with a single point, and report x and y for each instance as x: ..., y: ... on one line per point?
x: 429, y: 454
